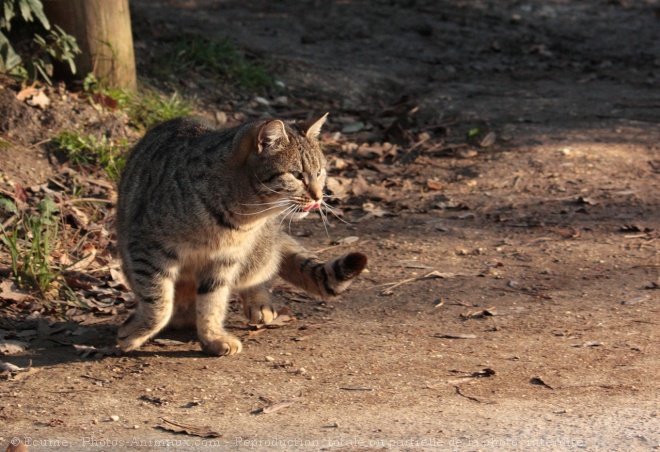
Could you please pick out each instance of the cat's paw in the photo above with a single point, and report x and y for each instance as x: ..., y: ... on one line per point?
x: 260, y: 314
x: 132, y: 334
x: 223, y: 346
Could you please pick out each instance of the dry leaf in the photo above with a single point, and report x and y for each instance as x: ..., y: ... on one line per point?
x: 434, y: 185
x: 10, y: 347
x: 89, y: 253
x: 374, y: 211
x: 8, y: 367
x: 488, y: 140
x: 34, y: 97
x: 345, y: 240
x: 360, y: 187
x: 27, y: 93
x: 39, y: 100
x: 85, y: 350
x: 10, y: 292
x: 178, y: 427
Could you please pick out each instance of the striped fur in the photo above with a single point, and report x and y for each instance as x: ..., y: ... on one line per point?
x: 198, y: 218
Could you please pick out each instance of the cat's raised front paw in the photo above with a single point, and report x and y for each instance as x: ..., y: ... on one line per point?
x: 223, y: 346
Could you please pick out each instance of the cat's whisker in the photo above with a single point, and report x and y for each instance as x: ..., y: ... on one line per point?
x: 324, y: 219
x: 283, y: 204
x: 265, y: 203
x: 286, y: 213
x: 267, y: 188
x: 332, y: 211
x: 292, y: 215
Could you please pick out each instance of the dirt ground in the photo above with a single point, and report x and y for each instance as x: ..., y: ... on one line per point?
x: 528, y: 255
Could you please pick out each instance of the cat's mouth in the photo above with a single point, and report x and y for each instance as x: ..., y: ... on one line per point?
x: 312, y: 205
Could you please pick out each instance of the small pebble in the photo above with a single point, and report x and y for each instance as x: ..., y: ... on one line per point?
x: 114, y: 418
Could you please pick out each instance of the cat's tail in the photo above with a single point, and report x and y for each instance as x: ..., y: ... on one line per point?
x: 324, y: 279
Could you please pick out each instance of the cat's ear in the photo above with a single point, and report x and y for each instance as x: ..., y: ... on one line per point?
x: 271, y: 134
x: 314, y: 127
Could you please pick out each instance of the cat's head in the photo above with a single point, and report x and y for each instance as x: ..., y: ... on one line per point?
x: 286, y: 166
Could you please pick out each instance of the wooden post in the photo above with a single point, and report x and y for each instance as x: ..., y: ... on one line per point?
x: 103, y: 31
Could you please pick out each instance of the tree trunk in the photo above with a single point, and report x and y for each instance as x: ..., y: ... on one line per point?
x: 103, y: 31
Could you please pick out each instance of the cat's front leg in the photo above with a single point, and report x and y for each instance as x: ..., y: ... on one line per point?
x: 257, y: 306
x: 212, y: 299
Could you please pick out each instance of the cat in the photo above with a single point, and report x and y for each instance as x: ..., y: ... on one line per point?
x: 199, y: 212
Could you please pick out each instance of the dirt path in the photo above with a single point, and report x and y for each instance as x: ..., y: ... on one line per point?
x: 538, y: 329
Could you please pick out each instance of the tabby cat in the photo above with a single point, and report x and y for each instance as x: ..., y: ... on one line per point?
x: 198, y: 218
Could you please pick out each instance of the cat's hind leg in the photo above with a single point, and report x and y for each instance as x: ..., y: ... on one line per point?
x: 257, y: 306
x: 155, y: 294
x: 322, y: 278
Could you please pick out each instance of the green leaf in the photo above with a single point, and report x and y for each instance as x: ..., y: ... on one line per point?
x: 38, y: 11
x: 30, y: 7
x: 47, y: 207
x: 8, y: 57
x: 9, y: 206
x: 9, y: 14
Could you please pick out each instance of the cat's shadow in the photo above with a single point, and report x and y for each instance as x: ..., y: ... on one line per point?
x: 90, y: 343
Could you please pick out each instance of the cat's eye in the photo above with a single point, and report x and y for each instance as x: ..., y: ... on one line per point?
x: 297, y: 174
x: 318, y: 174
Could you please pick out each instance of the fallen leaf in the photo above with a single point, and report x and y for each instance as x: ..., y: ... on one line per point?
x: 345, y: 240
x: 89, y: 253
x: 178, y: 427
x: 34, y: 97
x: 434, y: 185
x: 10, y: 347
x: 8, y: 367
x: 360, y: 187
x: 27, y: 93
x: 488, y: 140
x: 105, y: 101
x: 636, y: 300
x: 374, y: 211
x: 85, y: 350
x: 10, y: 292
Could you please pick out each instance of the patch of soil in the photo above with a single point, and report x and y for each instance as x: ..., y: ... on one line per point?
x: 527, y: 313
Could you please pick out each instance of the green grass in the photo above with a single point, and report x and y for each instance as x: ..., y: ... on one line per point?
x: 150, y: 108
x: 144, y: 109
x: 89, y: 150
x: 30, y: 242
x: 217, y: 59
